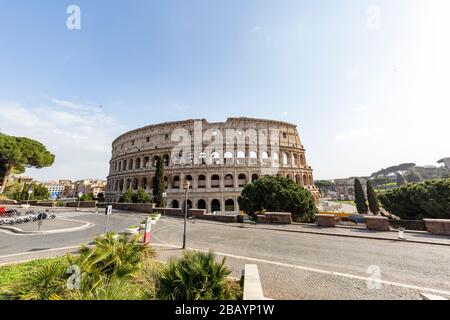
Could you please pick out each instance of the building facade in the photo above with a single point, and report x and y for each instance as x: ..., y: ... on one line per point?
x: 218, y: 159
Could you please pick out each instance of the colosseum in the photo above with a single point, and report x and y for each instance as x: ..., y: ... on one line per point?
x: 218, y: 159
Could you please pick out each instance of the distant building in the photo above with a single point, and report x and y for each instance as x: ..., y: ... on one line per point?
x: 54, y: 188
x: 90, y: 186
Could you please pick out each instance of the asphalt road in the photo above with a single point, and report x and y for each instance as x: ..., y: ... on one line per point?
x: 291, y: 265
x: 294, y: 265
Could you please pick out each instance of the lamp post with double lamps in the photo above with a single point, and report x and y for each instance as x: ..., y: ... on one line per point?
x: 186, y: 186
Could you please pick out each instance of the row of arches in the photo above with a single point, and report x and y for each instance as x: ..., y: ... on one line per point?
x: 213, y: 205
x: 214, y: 158
x: 201, y: 181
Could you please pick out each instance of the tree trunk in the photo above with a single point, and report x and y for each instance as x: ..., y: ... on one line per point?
x: 5, y: 180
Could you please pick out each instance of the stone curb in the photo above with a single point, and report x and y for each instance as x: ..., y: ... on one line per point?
x: 85, y: 226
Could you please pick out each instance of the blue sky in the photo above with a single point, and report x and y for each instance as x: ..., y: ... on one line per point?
x: 367, y: 82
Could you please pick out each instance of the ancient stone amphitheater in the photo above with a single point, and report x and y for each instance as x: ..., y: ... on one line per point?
x: 218, y: 159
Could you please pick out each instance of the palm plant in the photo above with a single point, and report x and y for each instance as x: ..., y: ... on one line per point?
x: 110, y: 257
x: 197, y: 276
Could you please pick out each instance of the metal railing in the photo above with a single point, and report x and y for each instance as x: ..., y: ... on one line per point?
x: 414, y: 225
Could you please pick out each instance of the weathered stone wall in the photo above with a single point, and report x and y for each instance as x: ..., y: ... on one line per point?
x: 83, y: 204
x: 138, y: 207
x: 275, y: 217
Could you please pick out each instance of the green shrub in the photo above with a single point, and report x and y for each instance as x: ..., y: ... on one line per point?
x: 130, y: 197
x: 429, y: 199
x: 87, y: 197
x: 107, y: 272
x: 196, y: 276
x: 278, y: 194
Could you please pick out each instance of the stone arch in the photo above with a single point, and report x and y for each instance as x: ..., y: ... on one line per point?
x: 215, y: 181
x: 240, y: 157
x: 146, y: 162
x: 298, y: 179
x: 215, y: 205
x: 127, y: 184
x: 229, y: 205
x: 295, y: 159
x: 229, y: 181
x: 215, y: 158
x: 189, y: 178
x: 166, y: 160
x: 255, y: 177
x: 201, y: 204
x: 302, y: 160
x: 228, y: 156
x: 166, y: 183
x: 121, y: 184
x: 202, y: 181
x: 176, y: 182
x: 130, y: 164
x: 135, y: 184
x: 144, y: 183
x: 189, y: 204
x: 175, y: 204
x: 137, y: 165
x: 305, y: 179
x: 124, y: 165
x: 242, y: 180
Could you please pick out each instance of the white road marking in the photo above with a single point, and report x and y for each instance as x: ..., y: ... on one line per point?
x: 339, y: 274
x: 40, y: 251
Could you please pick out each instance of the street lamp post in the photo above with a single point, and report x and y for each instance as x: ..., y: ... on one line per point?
x: 186, y: 186
x: 30, y: 191
x: 80, y: 194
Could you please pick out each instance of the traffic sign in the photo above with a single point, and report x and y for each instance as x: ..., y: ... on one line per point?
x: 108, y: 210
x: 54, y: 195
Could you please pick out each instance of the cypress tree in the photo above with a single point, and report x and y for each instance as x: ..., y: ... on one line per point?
x: 360, y: 199
x: 372, y: 198
x: 400, y: 180
x: 158, y: 184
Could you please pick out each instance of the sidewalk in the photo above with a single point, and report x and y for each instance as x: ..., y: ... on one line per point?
x: 358, y: 232
x: 48, y: 226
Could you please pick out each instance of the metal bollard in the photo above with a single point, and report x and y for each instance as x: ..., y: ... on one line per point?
x: 401, y: 233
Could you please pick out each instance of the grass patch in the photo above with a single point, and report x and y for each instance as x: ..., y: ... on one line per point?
x: 15, y: 273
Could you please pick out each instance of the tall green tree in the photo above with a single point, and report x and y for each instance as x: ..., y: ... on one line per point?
x: 360, y: 199
x: 18, y: 153
x: 277, y: 194
x: 374, y: 206
x: 158, y: 184
x: 400, y: 180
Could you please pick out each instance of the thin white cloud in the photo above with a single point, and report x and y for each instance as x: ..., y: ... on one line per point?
x: 81, y: 141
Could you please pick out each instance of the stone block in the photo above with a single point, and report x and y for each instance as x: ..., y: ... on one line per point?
x: 377, y: 223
